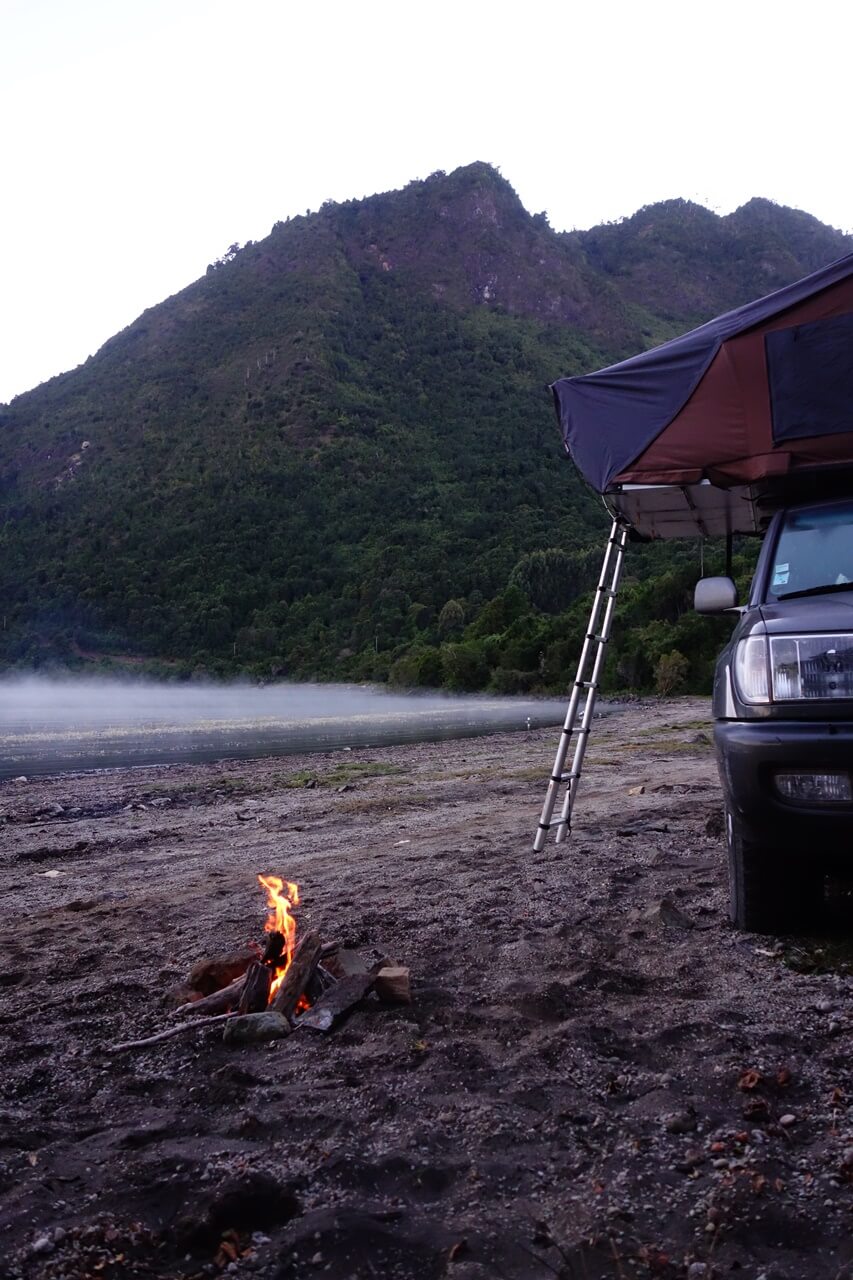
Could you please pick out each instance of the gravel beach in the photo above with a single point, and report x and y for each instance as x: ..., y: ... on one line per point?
x: 597, y: 1077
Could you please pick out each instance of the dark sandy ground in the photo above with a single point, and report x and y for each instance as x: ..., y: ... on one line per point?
x: 597, y: 1077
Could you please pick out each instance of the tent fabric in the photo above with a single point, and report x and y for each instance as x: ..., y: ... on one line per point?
x: 702, y: 407
x: 810, y: 374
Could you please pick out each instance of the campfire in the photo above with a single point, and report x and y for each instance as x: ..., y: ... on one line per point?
x: 266, y: 992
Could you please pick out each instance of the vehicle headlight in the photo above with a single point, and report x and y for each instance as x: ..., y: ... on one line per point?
x: 751, y: 669
x: 792, y: 668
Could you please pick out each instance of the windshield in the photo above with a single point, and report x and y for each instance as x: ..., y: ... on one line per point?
x: 814, y: 551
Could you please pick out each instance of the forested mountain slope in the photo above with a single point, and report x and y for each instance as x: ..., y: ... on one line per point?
x: 333, y: 456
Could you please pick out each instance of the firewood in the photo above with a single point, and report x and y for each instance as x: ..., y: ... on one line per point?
x: 393, y: 985
x: 219, y: 1002
x: 216, y: 972
x: 344, y: 963
x: 196, y: 1025
x: 306, y: 957
x: 337, y: 1002
x: 274, y: 949
x: 255, y: 994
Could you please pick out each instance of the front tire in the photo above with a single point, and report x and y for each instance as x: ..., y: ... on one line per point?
x: 769, y: 890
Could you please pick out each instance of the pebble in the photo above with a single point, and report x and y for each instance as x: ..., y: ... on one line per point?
x: 697, y: 1271
x: 679, y: 1122
x: 787, y: 1120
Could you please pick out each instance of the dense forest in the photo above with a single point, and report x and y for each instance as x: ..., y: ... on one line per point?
x: 334, y: 456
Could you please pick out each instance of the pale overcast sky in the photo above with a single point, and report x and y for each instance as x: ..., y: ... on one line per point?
x: 141, y: 137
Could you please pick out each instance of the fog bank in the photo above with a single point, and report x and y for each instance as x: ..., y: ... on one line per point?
x: 53, y: 724
x: 41, y: 702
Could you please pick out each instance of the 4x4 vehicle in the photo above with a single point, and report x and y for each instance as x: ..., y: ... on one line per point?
x: 783, y: 711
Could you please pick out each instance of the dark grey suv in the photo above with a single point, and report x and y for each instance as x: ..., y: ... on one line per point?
x: 783, y: 710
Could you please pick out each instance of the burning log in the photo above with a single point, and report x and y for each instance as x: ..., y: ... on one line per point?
x: 336, y: 1002
x: 255, y: 993
x: 306, y: 957
x: 274, y: 949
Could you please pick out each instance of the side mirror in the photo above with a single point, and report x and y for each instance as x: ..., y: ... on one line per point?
x: 714, y: 595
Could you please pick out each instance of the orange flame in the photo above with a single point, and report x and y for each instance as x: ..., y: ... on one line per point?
x: 281, y: 919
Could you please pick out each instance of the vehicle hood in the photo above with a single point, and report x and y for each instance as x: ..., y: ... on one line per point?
x: 833, y: 612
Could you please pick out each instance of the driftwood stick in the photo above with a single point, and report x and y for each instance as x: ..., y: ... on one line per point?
x: 256, y: 990
x: 306, y: 957
x: 196, y: 1025
x: 219, y: 1002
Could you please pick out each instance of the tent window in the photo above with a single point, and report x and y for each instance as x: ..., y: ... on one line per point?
x: 810, y: 373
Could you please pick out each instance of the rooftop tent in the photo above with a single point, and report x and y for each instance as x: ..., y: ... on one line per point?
x: 705, y: 433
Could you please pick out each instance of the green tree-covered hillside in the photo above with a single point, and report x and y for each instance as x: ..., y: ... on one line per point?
x: 334, y: 456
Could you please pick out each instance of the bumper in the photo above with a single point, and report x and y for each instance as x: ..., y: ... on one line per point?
x: 750, y: 754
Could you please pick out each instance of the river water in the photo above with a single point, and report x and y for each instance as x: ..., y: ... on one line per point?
x: 51, y: 725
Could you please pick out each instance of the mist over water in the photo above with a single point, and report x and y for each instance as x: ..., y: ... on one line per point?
x: 52, y: 724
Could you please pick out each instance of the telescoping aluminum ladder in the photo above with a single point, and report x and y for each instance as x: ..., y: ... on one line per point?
x: 587, y: 680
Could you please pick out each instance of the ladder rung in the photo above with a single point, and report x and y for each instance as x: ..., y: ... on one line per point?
x: 564, y: 777
x: 586, y: 684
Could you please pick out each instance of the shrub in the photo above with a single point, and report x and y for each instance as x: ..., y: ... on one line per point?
x: 671, y: 673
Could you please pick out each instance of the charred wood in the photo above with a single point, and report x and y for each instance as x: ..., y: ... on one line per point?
x: 274, y: 949
x: 318, y: 984
x: 255, y: 994
x: 337, y: 1002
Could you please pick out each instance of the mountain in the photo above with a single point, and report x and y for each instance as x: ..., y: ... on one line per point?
x: 333, y: 455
